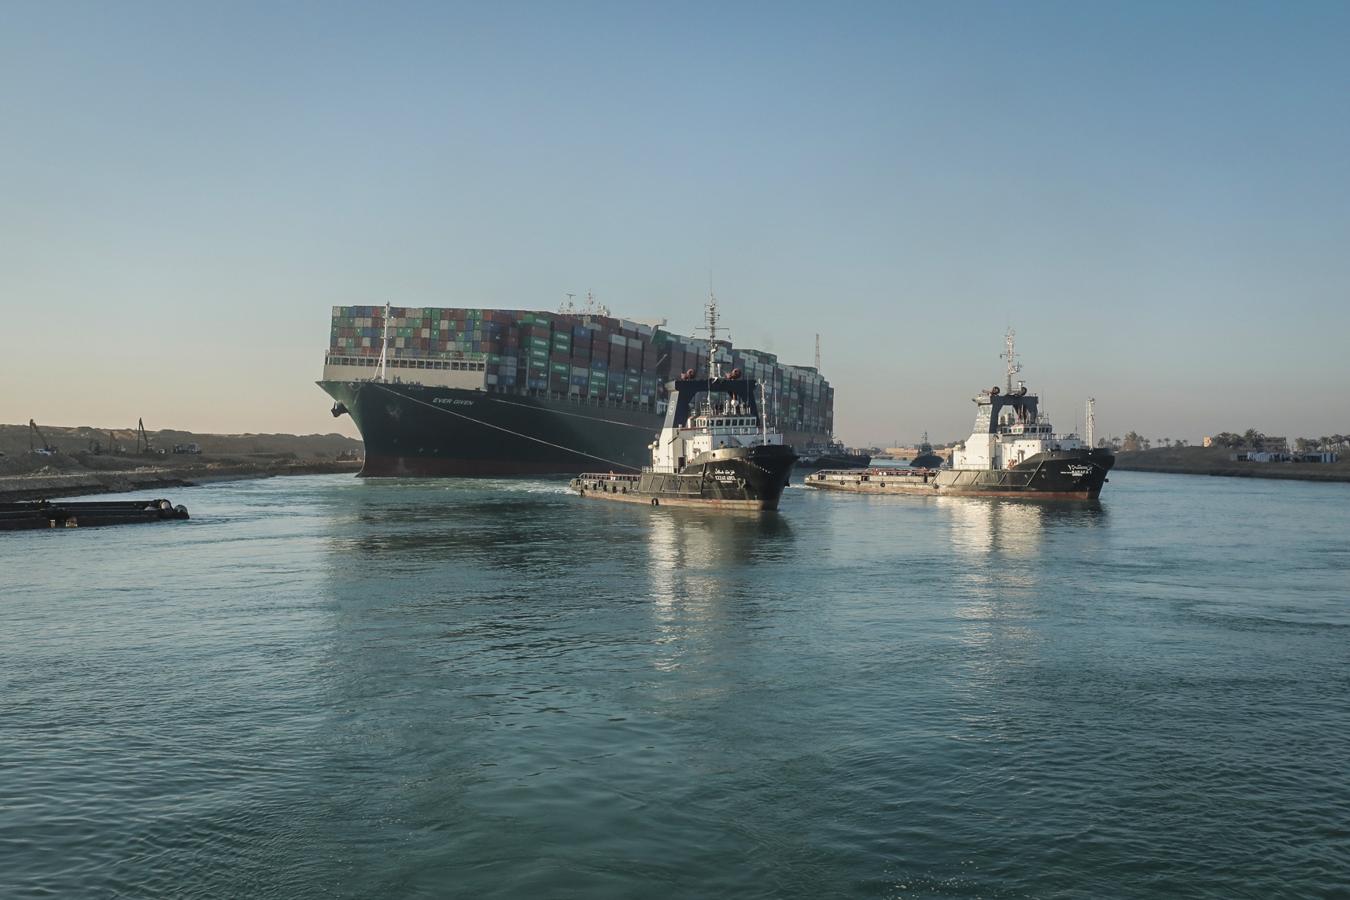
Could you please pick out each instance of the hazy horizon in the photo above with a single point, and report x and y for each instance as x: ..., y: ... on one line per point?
x: 1156, y: 197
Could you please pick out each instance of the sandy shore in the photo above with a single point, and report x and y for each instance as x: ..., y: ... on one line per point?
x: 1206, y: 461
x: 42, y: 485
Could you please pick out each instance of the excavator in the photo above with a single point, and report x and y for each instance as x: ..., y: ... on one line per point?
x: 142, y: 439
x: 35, y: 436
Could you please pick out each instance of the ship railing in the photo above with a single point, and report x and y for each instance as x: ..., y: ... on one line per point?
x: 578, y: 400
x: 887, y: 471
x: 661, y: 470
x: 610, y: 476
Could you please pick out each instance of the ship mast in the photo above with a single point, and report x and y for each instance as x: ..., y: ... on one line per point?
x: 710, y: 312
x: 1011, y: 356
x: 763, y: 417
x: 384, y: 345
x: 1091, y: 421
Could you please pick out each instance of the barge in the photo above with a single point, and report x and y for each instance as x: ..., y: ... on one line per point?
x: 38, y: 514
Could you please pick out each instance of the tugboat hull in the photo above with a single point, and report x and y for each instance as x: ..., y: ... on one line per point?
x: 751, y: 479
x: 1061, y: 475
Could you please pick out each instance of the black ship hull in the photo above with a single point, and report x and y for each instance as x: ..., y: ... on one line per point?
x: 749, y: 479
x: 420, y: 431
x: 1057, y: 475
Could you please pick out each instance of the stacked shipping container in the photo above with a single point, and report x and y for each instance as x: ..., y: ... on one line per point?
x: 584, y: 356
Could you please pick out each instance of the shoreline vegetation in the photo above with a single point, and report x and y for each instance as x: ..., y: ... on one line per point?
x: 1216, y: 461
x: 82, y: 464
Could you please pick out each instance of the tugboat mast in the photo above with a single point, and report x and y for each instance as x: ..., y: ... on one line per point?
x: 763, y: 417
x: 710, y: 313
x: 1011, y: 356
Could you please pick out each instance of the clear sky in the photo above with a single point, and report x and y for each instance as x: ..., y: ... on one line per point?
x: 1156, y: 196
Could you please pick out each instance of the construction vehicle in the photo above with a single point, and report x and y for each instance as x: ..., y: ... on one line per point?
x: 35, y: 436
x: 143, y: 440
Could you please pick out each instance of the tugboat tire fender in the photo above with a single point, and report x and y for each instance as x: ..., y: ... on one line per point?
x: 656, y: 501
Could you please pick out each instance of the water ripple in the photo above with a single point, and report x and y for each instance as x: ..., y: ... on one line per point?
x: 321, y: 687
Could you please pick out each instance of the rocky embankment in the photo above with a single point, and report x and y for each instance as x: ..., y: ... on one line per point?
x: 1215, y: 461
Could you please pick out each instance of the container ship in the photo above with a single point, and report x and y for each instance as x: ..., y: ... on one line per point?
x: 463, y: 391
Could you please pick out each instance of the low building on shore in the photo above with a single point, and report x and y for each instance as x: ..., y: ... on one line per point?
x: 1268, y: 456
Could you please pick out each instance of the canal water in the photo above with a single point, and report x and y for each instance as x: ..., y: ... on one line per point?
x: 324, y: 687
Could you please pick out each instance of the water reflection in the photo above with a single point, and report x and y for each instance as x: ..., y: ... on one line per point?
x: 702, y: 569
x: 1004, y: 549
x: 506, y: 524
x: 1012, y: 528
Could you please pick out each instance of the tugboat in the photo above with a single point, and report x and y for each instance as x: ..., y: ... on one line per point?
x: 715, y: 448
x: 833, y: 455
x: 926, y: 459
x: 1013, y: 451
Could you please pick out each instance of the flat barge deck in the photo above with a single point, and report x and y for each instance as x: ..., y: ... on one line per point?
x: 35, y: 514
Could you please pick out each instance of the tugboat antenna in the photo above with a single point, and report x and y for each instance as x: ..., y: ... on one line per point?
x: 1011, y: 356
x: 384, y: 346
